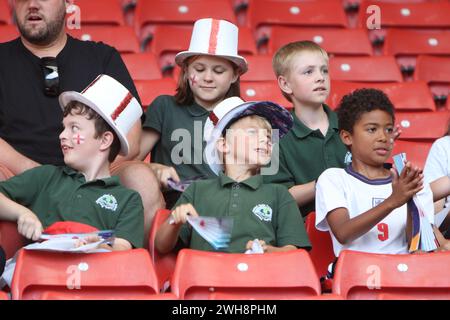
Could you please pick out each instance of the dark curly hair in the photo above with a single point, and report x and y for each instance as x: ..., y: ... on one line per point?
x: 360, y: 101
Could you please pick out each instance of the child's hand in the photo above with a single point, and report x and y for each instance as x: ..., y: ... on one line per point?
x: 180, y: 213
x: 262, y: 243
x: 164, y: 173
x: 445, y: 246
x: 86, y: 240
x: 29, y: 226
x: 405, y: 186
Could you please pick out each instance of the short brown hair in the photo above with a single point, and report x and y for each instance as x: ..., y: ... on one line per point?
x: 101, y: 126
x: 282, y: 60
x: 184, y: 95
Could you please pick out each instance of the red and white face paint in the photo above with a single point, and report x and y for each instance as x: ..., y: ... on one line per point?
x: 78, y: 139
x: 193, y: 80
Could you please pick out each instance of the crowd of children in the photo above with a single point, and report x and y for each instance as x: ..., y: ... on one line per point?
x: 333, y: 163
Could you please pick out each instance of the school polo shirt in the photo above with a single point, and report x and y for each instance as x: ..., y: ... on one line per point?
x: 181, y: 143
x: 259, y: 211
x: 62, y: 194
x: 306, y: 153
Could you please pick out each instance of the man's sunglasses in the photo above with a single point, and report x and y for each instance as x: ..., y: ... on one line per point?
x: 51, y: 76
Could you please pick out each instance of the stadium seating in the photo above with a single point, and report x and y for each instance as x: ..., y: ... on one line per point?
x: 365, y: 69
x: 4, y: 296
x: 117, y: 274
x: 282, y: 275
x: 142, y: 66
x: 322, y: 253
x: 164, y: 264
x: 148, y: 90
x: 406, y: 96
x: 55, y: 295
x: 339, y: 42
x: 100, y: 12
x: 151, y: 13
x: 433, y: 69
x: 259, y: 69
x: 5, y: 16
x: 10, y: 239
x: 122, y: 38
x: 360, y: 275
x: 423, y: 126
x: 262, y: 91
x: 415, y: 42
x: 416, y: 151
x: 8, y: 33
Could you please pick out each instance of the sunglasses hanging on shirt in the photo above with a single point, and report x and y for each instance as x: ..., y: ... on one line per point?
x: 51, y: 76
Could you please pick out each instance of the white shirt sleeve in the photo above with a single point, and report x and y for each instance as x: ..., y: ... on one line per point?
x: 437, y: 164
x: 330, y: 194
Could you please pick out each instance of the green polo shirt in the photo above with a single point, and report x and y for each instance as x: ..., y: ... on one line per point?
x: 181, y: 128
x: 305, y: 154
x: 62, y: 194
x: 280, y: 225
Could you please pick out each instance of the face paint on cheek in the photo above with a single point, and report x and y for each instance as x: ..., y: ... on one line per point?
x: 78, y: 139
x: 193, y: 80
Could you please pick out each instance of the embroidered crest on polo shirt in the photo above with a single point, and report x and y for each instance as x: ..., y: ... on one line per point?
x: 107, y: 201
x: 263, y: 212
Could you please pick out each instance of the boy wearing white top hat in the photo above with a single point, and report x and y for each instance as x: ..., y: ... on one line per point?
x: 96, y: 122
x: 172, y: 131
x: 239, y: 142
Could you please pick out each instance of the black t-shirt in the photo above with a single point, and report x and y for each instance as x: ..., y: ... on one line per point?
x: 30, y: 121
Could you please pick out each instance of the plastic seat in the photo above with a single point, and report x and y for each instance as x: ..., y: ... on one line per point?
x: 5, y: 16
x: 416, y: 151
x: 4, y: 296
x: 122, y: 38
x: 118, y: 274
x: 238, y: 296
x: 142, y: 66
x: 54, y: 295
x: 278, y: 275
x: 164, y: 264
x: 322, y: 253
x: 10, y: 239
x: 100, y: 12
x: 263, y: 91
x: 415, y: 42
x: 423, y: 126
x: 151, y: 13
x: 365, y: 69
x: 360, y: 275
x: 149, y: 89
x: 8, y: 33
x: 406, y: 96
x: 259, y: 69
x: 433, y: 69
x: 340, y: 42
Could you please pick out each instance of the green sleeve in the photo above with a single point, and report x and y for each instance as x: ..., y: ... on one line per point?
x: 130, y: 225
x: 283, y: 175
x: 186, y: 230
x: 154, y: 116
x: 290, y: 229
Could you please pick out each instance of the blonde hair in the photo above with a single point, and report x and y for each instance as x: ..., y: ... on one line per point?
x: 282, y: 60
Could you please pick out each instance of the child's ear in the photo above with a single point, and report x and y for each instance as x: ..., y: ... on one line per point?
x: 284, y: 85
x: 106, y: 140
x: 346, y: 137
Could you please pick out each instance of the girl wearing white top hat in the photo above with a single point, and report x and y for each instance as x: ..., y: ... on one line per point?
x: 210, y: 72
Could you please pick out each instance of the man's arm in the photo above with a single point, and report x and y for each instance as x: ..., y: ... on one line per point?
x: 13, y: 160
x: 303, y: 193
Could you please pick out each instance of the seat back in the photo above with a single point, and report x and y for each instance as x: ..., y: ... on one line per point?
x: 360, y: 275
x: 278, y: 275
x: 150, y: 89
x: 117, y: 274
x: 423, y: 126
x: 100, y: 12
x: 142, y: 66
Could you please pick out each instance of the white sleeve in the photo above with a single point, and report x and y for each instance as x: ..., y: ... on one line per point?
x: 436, y: 164
x: 330, y: 194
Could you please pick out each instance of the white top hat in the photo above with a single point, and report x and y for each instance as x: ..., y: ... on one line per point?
x: 217, y: 38
x: 112, y: 101
x: 231, y: 109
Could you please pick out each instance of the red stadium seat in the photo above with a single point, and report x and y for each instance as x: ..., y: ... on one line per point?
x: 263, y: 91
x: 122, y: 38
x: 239, y: 296
x: 5, y: 16
x: 117, y: 274
x: 433, y: 69
x: 415, y: 42
x: 423, y: 126
x: 164, y: 264
x: 149, y: 89
x: 4, y: 296
x: 8, y: 33
x: 416, y: 151
x: 281, y: 275
x: 142, y: 66
x: 55, y: 295
x: 406, y: 96
x: 151, y: 13
x: 365, y: 69
x: 259, y: 69
x: 360, y: 275
x: 340, y: 42
x: 322, y: 253
x: 100, y: 12
x: 409, y: 15
x: 10, y: 239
